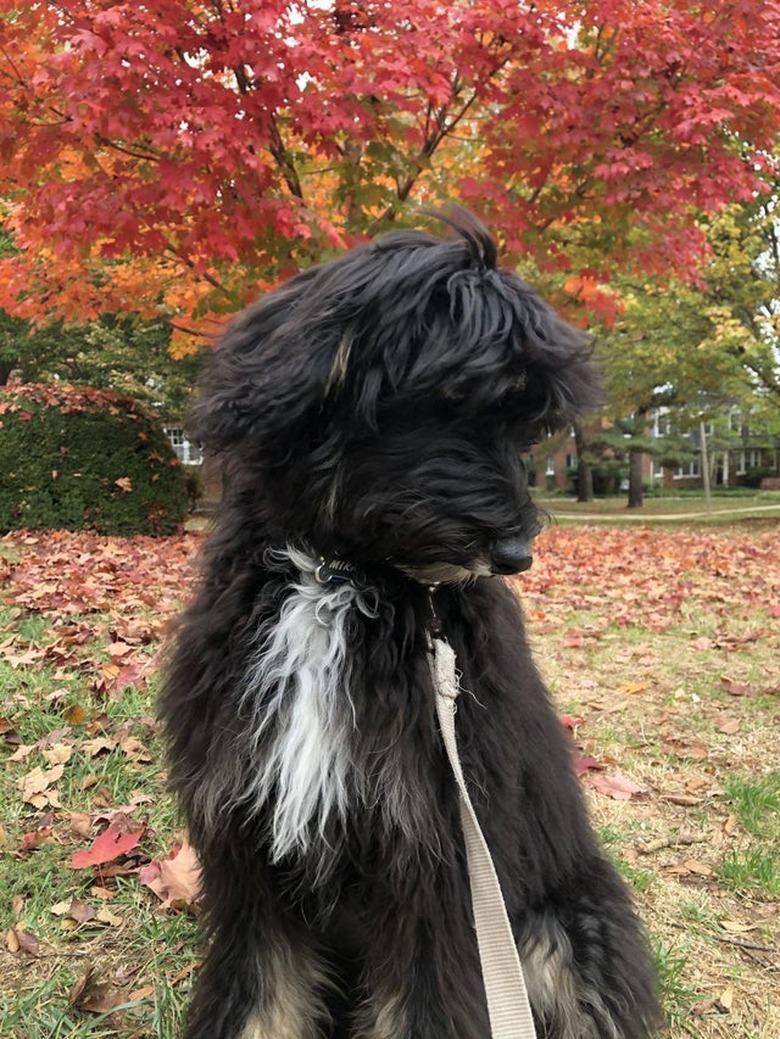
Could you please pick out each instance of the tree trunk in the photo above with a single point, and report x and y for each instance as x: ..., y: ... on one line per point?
x: 635, y: 496
x: 705, y: 466
x: 584, y: 473
x: 6, y: 367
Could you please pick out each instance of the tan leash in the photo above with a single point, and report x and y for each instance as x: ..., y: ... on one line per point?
x: 502, y: 973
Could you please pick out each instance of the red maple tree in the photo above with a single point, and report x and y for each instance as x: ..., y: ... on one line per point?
x: 178, y: 154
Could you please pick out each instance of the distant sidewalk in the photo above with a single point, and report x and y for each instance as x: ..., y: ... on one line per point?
x: 653, y: 517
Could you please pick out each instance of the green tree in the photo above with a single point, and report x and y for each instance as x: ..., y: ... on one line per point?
x: 703, y: 346
x: 116, y: 352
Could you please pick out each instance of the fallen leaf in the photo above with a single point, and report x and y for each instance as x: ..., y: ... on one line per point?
x: 736, y: 688
x: 110, y: 845
x: 175, y: 880
x: 701, y: 644
x: 571, y: 721
x: 139, y: 994
x: 23, y: 751
x: 100, y: 997
x: 689, y: 866
x: 616, y: 786
x: 103, y: 893
x: 24, y: 940
x: 632, y: 688
x: 584, y: 763
x: 75, y: 714
x: 99, y: 745
x: 80, y: 911
x: 58, y: 754
x: 684, y: 750
x: 80, y: 823
x: 735, y: 927
x: 105, y: 916
x: 38, y: 781
x: 77, y: 988
x: 117, y: 650
x: 726, y: 998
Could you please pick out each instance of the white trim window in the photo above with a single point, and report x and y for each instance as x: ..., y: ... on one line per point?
x: 187, y: 452
x: 748, y: 458
x: 688, y: 471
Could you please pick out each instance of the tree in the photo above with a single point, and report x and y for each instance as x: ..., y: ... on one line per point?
x: 172, y: 157
x: 114, y: 352
x: 704, y: 347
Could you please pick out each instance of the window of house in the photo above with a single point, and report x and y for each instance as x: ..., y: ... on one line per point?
x: 688, y: 471
x: 187, y: 452
x: 662, y: 423
x: 748, y: 459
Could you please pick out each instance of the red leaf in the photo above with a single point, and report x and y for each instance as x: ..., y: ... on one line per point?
x: 736, y: 688
x: 617, y: 786
x: 571, y: 721
x: 107, y: 847
x: 584, y: 763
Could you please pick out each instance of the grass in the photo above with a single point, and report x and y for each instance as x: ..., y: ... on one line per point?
x: 756, y: 802
x: 664, y: 643
x: 724, y: 506
x: 755, y: 871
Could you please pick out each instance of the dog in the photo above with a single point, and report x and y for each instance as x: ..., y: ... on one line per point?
x: 372, y: 415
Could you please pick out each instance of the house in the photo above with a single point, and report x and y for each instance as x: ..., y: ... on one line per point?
x: 737, y: 455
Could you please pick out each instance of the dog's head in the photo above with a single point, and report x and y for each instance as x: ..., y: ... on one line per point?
x: 377, y: 406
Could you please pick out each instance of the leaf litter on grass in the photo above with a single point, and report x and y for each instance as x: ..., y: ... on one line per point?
x: 662, y: 645
x: 82, y: 620
x: 666, y: 646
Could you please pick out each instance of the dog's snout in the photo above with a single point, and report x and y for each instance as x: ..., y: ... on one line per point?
x: 511, y: 556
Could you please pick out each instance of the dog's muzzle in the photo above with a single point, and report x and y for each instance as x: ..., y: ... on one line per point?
x: 511, y: 556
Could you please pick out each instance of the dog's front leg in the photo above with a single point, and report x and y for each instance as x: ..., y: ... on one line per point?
x: 261, y: 978
x: 422, y: 974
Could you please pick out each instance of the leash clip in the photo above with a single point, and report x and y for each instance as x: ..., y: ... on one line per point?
x: 335, y: 571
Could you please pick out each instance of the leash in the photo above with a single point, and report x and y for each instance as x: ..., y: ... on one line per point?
x: 502, y: 973
x: 509, y: 1010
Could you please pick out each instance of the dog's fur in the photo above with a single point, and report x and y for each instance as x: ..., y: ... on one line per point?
x: 374, y: 410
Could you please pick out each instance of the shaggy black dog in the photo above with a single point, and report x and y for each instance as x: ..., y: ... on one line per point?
x: 372, y: 414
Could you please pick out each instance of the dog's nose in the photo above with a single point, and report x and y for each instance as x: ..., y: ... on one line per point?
x: 511, y: 556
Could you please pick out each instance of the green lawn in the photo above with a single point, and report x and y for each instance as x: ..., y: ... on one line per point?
x: 661, y: 644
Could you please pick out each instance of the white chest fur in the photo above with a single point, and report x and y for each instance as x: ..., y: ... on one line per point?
x: 303, y: 718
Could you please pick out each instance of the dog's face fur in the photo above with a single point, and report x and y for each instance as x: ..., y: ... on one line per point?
x: 388, y: 397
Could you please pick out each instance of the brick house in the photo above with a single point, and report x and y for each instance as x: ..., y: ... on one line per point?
x: 737, y: 457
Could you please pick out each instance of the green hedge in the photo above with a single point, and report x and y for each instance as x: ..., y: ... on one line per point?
x: 76, y: 458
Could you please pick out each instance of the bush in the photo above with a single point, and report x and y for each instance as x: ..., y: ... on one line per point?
x: 753, y: 477
x: 75, y: 458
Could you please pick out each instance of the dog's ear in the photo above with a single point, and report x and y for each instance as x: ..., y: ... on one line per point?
x: 265, y: 376
x: 561, y: 382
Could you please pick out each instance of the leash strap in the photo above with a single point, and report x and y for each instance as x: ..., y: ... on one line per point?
x: 502, y: 974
